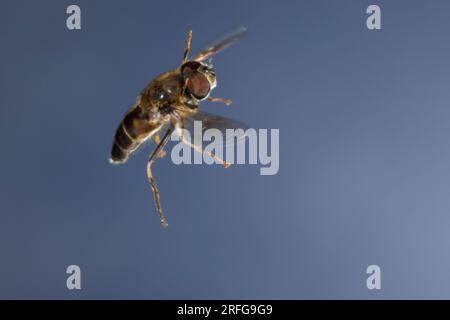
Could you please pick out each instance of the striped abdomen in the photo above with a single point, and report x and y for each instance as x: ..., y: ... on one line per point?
x: 134, y: 129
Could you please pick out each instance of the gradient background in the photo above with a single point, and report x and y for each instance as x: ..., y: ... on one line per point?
x: 364, y: 153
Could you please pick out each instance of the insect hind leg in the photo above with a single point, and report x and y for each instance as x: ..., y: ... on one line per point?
x: 199, y: 150
x: 157, y: 140
x: 151, y: 180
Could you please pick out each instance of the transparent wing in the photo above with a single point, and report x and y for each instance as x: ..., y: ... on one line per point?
x: 199, y: 122
x: 221, y: 44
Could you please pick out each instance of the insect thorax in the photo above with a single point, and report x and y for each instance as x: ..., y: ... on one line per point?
x: 165, y: 89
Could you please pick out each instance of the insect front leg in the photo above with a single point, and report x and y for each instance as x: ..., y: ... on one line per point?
x: 183, y: 91
x: 188, y: 47
x: 151, y: 180
x: 226, y: 101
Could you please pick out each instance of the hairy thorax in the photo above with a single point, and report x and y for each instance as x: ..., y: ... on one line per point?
x: 163, y: 91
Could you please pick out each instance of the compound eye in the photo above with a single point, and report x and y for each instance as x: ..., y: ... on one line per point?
x: 198, y: 85
x: 189, y: 67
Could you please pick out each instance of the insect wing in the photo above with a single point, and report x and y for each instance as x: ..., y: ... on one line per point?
x: 232, y: 131
x: 221, y: 44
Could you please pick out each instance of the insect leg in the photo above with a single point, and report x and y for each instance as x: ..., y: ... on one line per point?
x: 151, y: 180
x: 199, y: 150
x: 188, y: 47
x: 226, y: 101
x: 183, y: 91
x: 157, y: 140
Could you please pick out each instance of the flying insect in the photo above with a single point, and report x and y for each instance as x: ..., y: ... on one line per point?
x: 169, y: 103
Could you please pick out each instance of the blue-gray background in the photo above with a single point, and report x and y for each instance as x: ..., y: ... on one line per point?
x: 364, y: 152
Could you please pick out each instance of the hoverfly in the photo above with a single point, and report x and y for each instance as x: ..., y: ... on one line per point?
x: 171, y: 102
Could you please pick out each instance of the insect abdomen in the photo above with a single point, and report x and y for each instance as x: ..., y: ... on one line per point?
x: 134, y: 129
